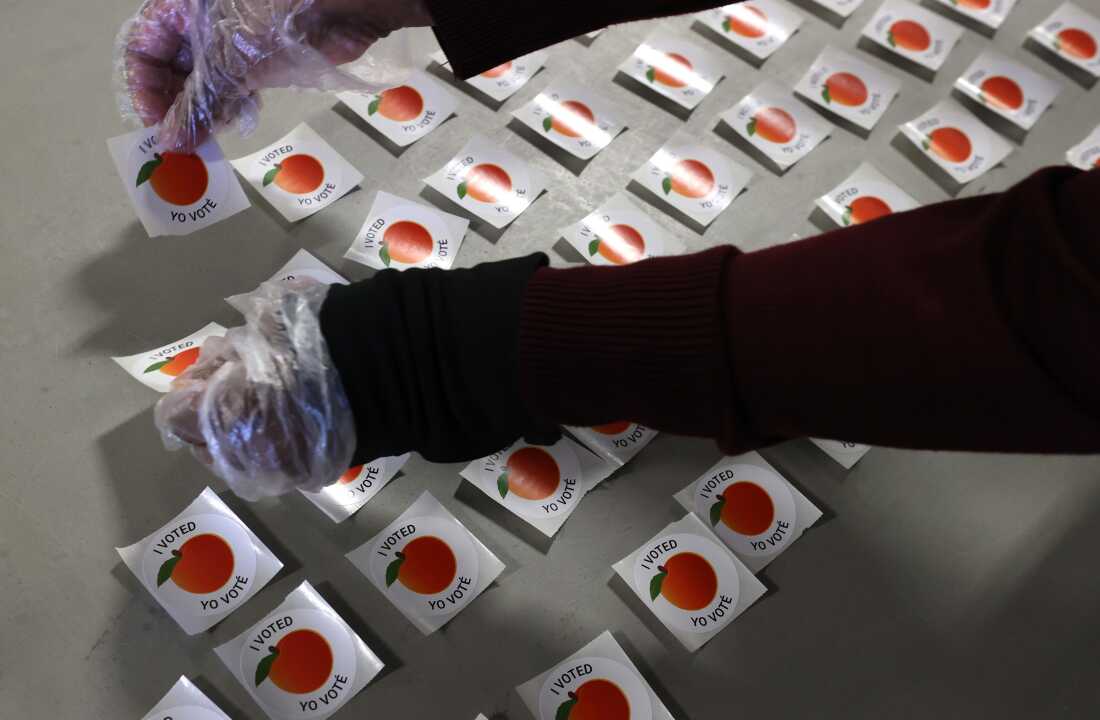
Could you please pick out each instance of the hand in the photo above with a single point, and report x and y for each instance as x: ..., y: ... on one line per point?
x: 197, y: 65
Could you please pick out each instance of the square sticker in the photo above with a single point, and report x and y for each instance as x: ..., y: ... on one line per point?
x: 1008, y: 88
x: 305, y: 265
x: 597, y: 681
x: 202, y: 564
x: 690, y: 581
x: 848, y: 87
x: 916, y: 34
x: 759, y: 27
x: 175, y: 193
x: 572, y: 117
x: 671, y: 66
x: 299, y: 174
x: 692, y: 178
x: 489, y: 181
x: 541, y: 484
x: 302, y: 660
x: 957, y: 141
x: 990, y: 13
x: 1073, y: 35
x: 843, y: 8
x: 616, y: 441
x: 356, y: 487
x: 771, y: 120
x: 753, y: 509
x: 865, y: 195
x: 846, y: 454
x: 185, y: 702
x: 406, y: 113
x: 427, y: 564
x: 1086, y: 154
x: 158, y: 368
x: 618, y: 233
x: 400, y: 234
x: 504, y: 80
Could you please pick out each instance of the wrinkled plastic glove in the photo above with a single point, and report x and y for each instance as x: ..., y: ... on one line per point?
x: 196, y: 65
x: 263, y: 407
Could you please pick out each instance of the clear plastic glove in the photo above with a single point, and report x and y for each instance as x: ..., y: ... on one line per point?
x: 196, y: 65
x: 263, y: 407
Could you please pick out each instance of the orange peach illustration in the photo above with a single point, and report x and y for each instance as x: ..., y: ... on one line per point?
x: 1001, y: 92
x: 613, y: 428
x: 674, y: 71
x: 686, y: 580
x: 350, y: 474
x: 595, y: 700
x: 909, y: 35
x: 746, y: 20
x: 486, y: 183
x: 175, y: 364
x: 296, y: 174
x: 972, y: 4
x: 744, y: 507
x: 299, y: 663
x: 400, y: 104
x: 202, y: 565
x: 865, y: 209
x: 1076, y: 43
x: 844, y: 88
x: 619, y: 244
x: 772, y: 124
x: 571, y: 118
x: 426, y: 565
x: 497, y: 71
x: 530, y: 473
x: 406, y: 242
x: 176, y: 178
x: 690, y: 178
x: 949, y: 143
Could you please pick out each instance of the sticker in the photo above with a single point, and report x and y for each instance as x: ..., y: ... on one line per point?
x: 400, y: 233
x: 618, y: 233
x: 406, y: 113
x: 158, y: 368
x: 175, y: 193
x: 750, y: 507
x: 488, y: 181
x: 692, y: 178
x: 1086, y: 155
x: 597, y: 681
x: 990, y: 13
x: 427, y: 564
x: 305, y: 265
x: 573, y: 118
x: 848, y: 87
x: 957, y: 141
x: 541, y: 484
x: 681, y: 71
x: 1073, y: 34
x: 775, y: 123
x: 846, y: 454
x: 356, y: 487
x: 302, y: 660
x: 843, y: 8
x: 760, y: 27
x: 299, y: 174
x: 615, y: 441
x: 1008, y: 88
x: 185, y: 702
x: 690, y: 581
x: 913, y: 33
x: 203, y: 564
x: 594, y: 34
x: 864, y: 196
x: 505, y: 80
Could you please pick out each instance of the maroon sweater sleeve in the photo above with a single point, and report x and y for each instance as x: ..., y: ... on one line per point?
x: 972, y: 324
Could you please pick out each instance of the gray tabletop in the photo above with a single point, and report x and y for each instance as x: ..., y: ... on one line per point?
x: 949, y: 584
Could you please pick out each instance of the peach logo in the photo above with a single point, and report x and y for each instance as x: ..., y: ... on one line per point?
x: 571, y: 118
x: 772, y: 124
x: 400, y: 104
x: 1002, y: 92
x: 530, y: 473
x: 200, y: 566
x: 614, y: 428
x: 972, y: 4
x: 426, y: 565
x: 687, y: 580
x: 909, y: 35
x: 597, y: 699
x: 865, y: 209
x: 619, y: 244
x: 844, y: 88
x: 406, y: 242
x: 949, y: 143
x: 297, y: 174
x: 176, y: 178
x: 1076, y: 43
x: 744, y: 507
x: 747, y: 21
x: 689, y: 178
x: 496, y: 72
x: 300, y: 663
x: 487, y: 183
x: 673, y: 70
x: 350, y: 474
x: 175, y: 364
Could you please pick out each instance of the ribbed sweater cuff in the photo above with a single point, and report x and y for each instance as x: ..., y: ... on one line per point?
x: 644, y: 342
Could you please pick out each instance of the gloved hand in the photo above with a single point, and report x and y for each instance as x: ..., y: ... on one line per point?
x: 197, y: 65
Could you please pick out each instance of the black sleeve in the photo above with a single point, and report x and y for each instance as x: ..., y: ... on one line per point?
x: 480, y: 34
x: 429, y: 360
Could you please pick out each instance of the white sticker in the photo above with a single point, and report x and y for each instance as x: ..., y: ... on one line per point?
x: 305, y: 265
x: 864, y: 196
x: 356, y: 487
x: 185, y: 702
x: 1008, y: 88
x: 618, y: 233
x: 505, y: 80
x: 680, y: 70
x: 594, y: 34
x: 400, y: 233
x: 427, y: 564
x: 573, y: 118
x: 905, y: 28
x: 302, y: 660
x: 990, y: 13
x: 488, y: 181
x: 692, y: 178
x: 843, y: 8
x: 957, y: 141
x: 406, y: 113
x: 615, y: 441
x: 1073, y: 34
x: 778, y: 125
x: 846, y: 454
x: 690, y: 581
x: 1086, y: 155
x: 158, y: 368
x: 203, y: 564
x: 848, y: 87
x: 760, y: 27
x: 751, y: 507
x: 175, y: 193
